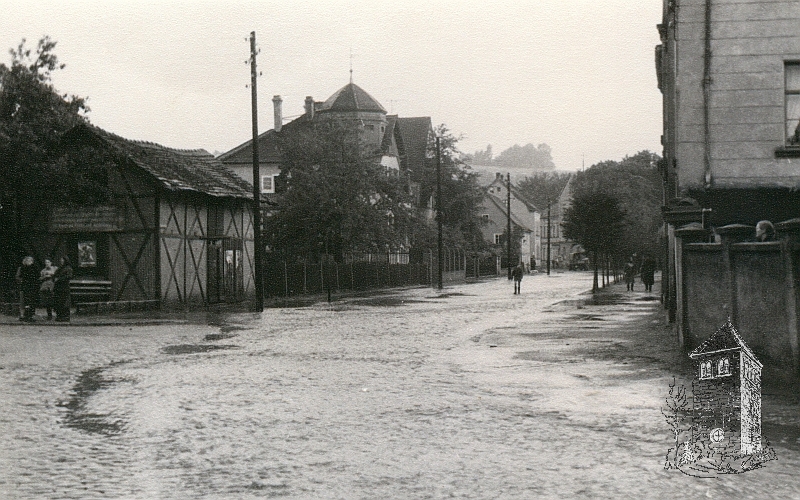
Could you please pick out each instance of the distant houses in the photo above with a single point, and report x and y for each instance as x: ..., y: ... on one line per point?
x: 525, y: 219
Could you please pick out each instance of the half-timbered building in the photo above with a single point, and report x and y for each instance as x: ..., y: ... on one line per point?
x: 176, y: 229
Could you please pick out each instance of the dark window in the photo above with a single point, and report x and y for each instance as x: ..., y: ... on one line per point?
x: 792, y: 100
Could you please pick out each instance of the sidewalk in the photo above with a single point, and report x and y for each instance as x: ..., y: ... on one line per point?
x: 110, y: 319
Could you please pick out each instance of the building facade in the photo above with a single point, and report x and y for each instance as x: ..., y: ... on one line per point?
x: 729, y: 72
x: 399, y: 144
x: 176, y: 230
x: 524, y: 217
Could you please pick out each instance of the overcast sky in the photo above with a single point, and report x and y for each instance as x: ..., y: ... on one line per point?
x: 578, y: 75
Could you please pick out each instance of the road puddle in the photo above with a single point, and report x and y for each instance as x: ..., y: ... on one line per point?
x: 195, y: 348
x: 78, y: 417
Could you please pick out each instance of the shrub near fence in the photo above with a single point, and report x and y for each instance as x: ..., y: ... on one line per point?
x: 370, y: 271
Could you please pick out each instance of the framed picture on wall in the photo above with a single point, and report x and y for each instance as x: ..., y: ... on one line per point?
x: 87, y: 254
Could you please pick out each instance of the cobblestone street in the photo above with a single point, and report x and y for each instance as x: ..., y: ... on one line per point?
x: 468, y: 393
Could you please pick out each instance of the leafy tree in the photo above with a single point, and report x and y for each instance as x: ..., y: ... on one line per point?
x: 542, y: 187
x: 528, y: 157
x: 636, y: 184
x: 596, y: 221
x: 33, y: 116
x: 461, y: 196
x: 336, y: 198
x: 481, y: 157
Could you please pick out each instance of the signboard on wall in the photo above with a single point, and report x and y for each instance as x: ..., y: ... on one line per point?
x: 99, y: 218
x: 87, y: 254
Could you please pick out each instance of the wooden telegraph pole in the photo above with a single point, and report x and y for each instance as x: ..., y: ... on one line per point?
x: 259, y: 272
x: 440, y: 255
x: 508, y: 222
x: 548, y: 237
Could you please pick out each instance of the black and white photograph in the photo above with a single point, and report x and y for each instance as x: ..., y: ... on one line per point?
x: 348, y: 249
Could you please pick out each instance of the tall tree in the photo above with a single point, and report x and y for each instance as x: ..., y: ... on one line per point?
x: 33, y: 115
x: 542, y: 187
x: 635, y: 182
x: 461, y: 196
x: 335, y: 198
x: 527, y: 157
x: 596, y: 221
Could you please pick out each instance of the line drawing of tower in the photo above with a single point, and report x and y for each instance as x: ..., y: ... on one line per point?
x: 726, y: 393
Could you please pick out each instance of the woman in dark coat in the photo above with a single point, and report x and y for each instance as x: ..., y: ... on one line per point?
x: 61, y: 300
x: 28, y: 279
x: 648, y: 273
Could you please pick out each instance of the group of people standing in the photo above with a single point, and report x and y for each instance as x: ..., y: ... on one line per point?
x: 647, y: 271
x: 47, y: 287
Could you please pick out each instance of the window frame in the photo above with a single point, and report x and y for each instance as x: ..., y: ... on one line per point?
x: 787, y: 149
x: 705, y: 370
x: 272, y: 183
x: 723, y: 363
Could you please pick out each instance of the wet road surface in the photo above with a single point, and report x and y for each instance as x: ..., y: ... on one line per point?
x: 470, y: 393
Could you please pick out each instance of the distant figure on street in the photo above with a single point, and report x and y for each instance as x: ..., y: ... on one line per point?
x: 46, y: 287
x: 648, y: 272
x: 765, y: 231
x: 28, y: 280
x: 516, y: 273
x: 630, y: 274
x: 61, y: 280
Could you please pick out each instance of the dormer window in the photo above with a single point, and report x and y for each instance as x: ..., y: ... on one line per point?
x: 705, y: 370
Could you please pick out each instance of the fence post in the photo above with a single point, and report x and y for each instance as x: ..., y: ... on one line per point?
x: 285, y: 279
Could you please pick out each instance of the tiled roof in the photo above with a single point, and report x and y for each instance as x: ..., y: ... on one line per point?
x: 351, y: 97
x: 268, y: 151
x: 193, y: 170
x: 386, y: 143
x: 415, y: 133
x: 726, y: 338
x: 526, y: 222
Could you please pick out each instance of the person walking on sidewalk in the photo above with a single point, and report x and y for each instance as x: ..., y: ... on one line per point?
x: 28, y: 280
x: 61, y: 280
x: 648, y: 272
x: 46, y: 287
x: 516, y: 273
x: 630, y: 274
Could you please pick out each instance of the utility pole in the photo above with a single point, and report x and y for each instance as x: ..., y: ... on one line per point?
x: 508, y: 222
x: 259, y: 272
x: 548, y: 237
x: 440, y: 255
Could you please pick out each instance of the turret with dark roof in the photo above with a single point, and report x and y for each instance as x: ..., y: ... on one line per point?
x: 351, y: 98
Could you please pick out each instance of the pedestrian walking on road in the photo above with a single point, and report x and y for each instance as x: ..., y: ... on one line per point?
x: 516, y: 273
x: 46, y: 287
x: 630, y: 274
x: 61, y: 280
x: 28, y: 280
x: 648, y: 271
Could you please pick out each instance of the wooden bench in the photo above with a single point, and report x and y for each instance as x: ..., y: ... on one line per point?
x: 82, y: 291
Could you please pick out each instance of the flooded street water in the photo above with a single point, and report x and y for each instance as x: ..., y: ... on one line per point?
x: 473, y: 393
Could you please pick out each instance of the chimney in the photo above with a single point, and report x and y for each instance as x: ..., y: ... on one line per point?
x: 498, y: 175
x: 277, y: 103
x: 310, y: 107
